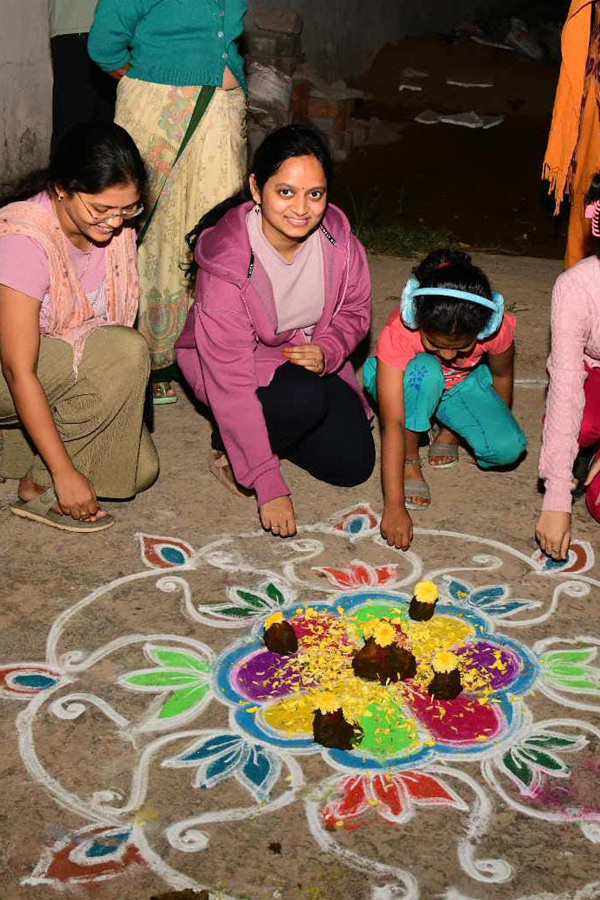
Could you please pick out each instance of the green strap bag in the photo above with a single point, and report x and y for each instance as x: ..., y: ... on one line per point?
x: 204, y: 98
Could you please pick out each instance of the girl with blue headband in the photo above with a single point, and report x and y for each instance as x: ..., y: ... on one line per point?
x: 445, y: 357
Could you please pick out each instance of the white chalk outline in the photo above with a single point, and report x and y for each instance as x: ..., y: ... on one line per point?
x: 220, y: 553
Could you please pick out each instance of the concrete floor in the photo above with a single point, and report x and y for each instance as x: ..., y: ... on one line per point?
x: 93, y: 802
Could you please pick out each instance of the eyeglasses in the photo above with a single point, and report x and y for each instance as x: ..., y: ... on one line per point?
x: 123, y: 213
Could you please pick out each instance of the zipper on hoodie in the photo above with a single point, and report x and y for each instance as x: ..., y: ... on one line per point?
x: 328, y: 235
x: 245, y: 286
x: 337, y: 308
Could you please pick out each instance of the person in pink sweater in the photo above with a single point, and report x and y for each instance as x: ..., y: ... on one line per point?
x: 572, y: 421
x: 283, y: 297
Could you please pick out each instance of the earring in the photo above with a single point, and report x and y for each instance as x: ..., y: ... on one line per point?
x: 59, y: 197
x: 257, y: 208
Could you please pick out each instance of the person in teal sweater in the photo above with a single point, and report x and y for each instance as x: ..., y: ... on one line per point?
x: 171, y: 58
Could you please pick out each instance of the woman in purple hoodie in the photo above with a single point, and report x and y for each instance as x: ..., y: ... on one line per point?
x: 283, y: 297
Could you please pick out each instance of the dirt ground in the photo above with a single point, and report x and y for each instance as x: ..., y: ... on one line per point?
x: 81, y: 752
x: 434, y: 172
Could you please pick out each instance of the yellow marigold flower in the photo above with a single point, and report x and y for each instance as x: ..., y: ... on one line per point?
x: 368, y: 626
x: 327, y: 702
x: 426, y: 592
x: 275, y: 619
x: 445, y: 661
x: 384, y: 634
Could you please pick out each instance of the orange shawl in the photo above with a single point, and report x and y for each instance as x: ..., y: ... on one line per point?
x: 564, y: 131
x: 71, y: 316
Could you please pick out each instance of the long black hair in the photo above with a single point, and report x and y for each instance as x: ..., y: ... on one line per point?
x: 89, y: 158
x: 451, y: 269
x: 280, y: 145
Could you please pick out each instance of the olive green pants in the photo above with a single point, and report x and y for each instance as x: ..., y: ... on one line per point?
x: 98, y: 414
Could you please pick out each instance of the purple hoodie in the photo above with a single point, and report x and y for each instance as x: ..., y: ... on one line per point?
x: 229, y: 346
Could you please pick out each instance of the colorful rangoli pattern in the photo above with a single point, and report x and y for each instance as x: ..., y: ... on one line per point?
x: 412, y: 749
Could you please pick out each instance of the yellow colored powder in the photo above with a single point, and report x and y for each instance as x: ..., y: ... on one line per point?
x: 441, y: 633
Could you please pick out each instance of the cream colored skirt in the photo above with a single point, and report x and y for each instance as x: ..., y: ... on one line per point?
x: 211, y: 168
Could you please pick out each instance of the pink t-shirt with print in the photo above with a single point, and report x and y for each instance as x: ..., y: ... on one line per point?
x: 398, y: 344
x: 24, y: 267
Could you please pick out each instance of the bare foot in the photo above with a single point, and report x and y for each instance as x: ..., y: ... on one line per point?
x: 29, y: 490
x: 413, y: 472
x: 444, y: 436
x: 162, y: 389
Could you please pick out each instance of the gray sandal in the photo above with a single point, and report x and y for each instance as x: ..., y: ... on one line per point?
x: 439, y: 448
x: 40, y: 510
x: 414, y: 488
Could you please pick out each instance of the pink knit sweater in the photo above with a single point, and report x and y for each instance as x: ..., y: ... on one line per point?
x: 575, y: 325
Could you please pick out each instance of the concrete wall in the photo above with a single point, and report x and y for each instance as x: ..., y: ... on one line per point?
x: 25, y: 86
x: 341, y: 37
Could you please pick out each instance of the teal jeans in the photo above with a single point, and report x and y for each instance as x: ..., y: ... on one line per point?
x: 472, y: 409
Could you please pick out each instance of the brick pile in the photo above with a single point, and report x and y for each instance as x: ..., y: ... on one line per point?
x: 283, y: 89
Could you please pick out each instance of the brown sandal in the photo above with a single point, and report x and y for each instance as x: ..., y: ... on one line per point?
x: 218, y: 464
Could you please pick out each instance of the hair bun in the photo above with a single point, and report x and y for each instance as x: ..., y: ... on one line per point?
x: 440, y: 259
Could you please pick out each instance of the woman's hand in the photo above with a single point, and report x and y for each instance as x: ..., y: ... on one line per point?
x: 76, y: 496
x: 119, y: 73
x: 553, y: 533
x: 397, y: 527
x: 19, y: 350
x: 278, y: 516
x: 310, y: 356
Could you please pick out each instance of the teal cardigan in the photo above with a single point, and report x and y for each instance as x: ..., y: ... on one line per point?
x: 179, y: 42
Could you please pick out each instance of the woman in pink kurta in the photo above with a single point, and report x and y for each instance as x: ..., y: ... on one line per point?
x: 572, y: 421
x: 73, y: 369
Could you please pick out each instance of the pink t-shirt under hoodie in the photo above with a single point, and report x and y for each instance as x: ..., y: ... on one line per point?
x: 298, y: 284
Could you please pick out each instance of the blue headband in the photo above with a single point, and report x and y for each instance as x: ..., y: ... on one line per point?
x: 459, y: 295
x: 408, y: 308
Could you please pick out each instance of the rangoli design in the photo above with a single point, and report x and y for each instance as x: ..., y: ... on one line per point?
x: 182, y: 680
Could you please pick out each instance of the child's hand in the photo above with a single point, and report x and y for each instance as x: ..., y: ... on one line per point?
x: 397, y: 527
x: 310, y: 356
x: 278, y: 517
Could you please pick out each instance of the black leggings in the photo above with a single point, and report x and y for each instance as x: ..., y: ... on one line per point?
x: 317, y: 422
